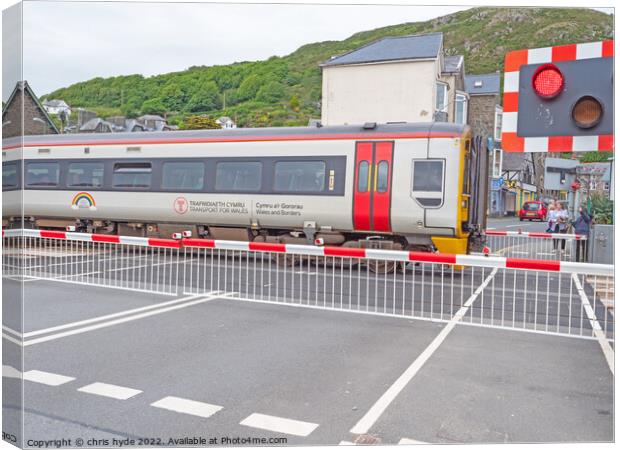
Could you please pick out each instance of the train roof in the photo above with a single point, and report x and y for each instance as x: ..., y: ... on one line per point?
x: 357, y: 132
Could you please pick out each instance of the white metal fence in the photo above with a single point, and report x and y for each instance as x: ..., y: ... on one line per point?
x: 556, y: 297
x: 549, y: 246
x: 137, y: 264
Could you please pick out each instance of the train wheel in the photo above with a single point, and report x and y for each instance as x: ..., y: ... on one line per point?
x: 381, y: 267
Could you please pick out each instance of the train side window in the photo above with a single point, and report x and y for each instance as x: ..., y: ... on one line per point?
x: 88, y: 174
x: 362, y: 176
x: 382, y: 176
x: 43, y: 174
x: 428, y: 176
x: 238, y: 176
x: 9, y: 176
x: 299, y: 176
x: 183, y: 175
x: 132, y: 175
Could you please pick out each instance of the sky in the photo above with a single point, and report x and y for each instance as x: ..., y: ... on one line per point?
x: 68, y: 42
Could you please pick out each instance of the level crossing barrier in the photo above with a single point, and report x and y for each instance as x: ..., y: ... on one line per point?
x: 545, y: 296
x: 532, y: 245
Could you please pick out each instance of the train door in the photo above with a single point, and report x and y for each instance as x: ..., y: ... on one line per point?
x: 373, y: 186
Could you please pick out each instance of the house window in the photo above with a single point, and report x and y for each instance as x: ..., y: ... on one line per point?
x: 606, y: 187
x: 460, y: 109
x: 498, y: 123
x: 497, y: 163
x: 441, y: 100
x: 592, y: 185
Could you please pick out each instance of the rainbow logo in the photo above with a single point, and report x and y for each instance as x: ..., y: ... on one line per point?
x: 83, y: 200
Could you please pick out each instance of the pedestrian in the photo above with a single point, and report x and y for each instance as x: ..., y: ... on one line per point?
x: 582, y: 228
x: 551, y: 218
x: 561, y: 223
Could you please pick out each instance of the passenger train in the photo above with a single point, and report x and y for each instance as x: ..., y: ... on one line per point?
x: 398, y: 186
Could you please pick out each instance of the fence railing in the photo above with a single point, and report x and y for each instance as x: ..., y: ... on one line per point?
x: 557, y: 297
x: 552, y: 246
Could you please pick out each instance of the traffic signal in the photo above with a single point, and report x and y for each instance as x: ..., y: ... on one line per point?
x: 559, y: 99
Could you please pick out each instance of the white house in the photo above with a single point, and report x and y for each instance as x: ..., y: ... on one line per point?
x: 56, y: 107
x: 394, y: 79
x: 226, y: 122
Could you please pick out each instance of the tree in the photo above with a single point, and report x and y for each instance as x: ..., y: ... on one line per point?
x: 295, y: 103
x: 271, y: 92
x: 172, y: 97
x: 249, y: 87
x: 153, y: 106
x: 200, y: 123
x: 206, y: 99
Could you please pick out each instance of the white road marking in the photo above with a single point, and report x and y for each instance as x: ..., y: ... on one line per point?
x: 111, y: 316
x: 12, y: 339
x: 346, y: 443
x: 182, y: 405
x: 11, y: 331
x: 119, y: 321
x: 110, y: 390
x: 608, y: 352
x: 405, y: 441
x: 373, y: 414
x: 51, y: 379
x: 279, y: 424
x: 11, y: 372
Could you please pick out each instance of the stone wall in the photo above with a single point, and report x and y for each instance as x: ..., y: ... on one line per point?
x: 13, y: 114
x: 481, y: 114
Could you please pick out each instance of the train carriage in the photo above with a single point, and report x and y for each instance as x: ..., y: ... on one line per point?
x: 388, y: 185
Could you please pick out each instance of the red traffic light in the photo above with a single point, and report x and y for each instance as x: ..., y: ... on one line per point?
x: 548, y: 81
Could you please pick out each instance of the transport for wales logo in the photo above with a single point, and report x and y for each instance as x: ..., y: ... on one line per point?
x: 83, y: 200
x: 181, y: 205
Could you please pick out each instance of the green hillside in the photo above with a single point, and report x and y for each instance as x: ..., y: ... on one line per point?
x: 285, y: 91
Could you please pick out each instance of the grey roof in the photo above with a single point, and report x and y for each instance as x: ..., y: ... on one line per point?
x: 392, y: 49
x: 151, y: 117
x: 452, y: 64
x: 55, y: 103
x: 489, y: 84
x: 93, y: 123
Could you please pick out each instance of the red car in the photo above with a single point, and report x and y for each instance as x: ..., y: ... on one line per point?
x: 533, y: 210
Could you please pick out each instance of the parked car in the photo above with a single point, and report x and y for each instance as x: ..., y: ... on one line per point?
x: 533, y: 210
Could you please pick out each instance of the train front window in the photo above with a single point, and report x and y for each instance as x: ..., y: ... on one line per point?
x: 428, y: 176
x: 9, y: 176
x: 88, y: 174
x: 238, y: 176
x: 183, y: 175
x: 132, y: 175
x: 299, y: 176
x: 44, y: 174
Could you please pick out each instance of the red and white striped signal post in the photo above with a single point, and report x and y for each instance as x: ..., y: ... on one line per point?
x: 559, y: 99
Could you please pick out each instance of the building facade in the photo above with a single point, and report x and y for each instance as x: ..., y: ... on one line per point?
x: 35, y: 119
x: 394, y: 79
